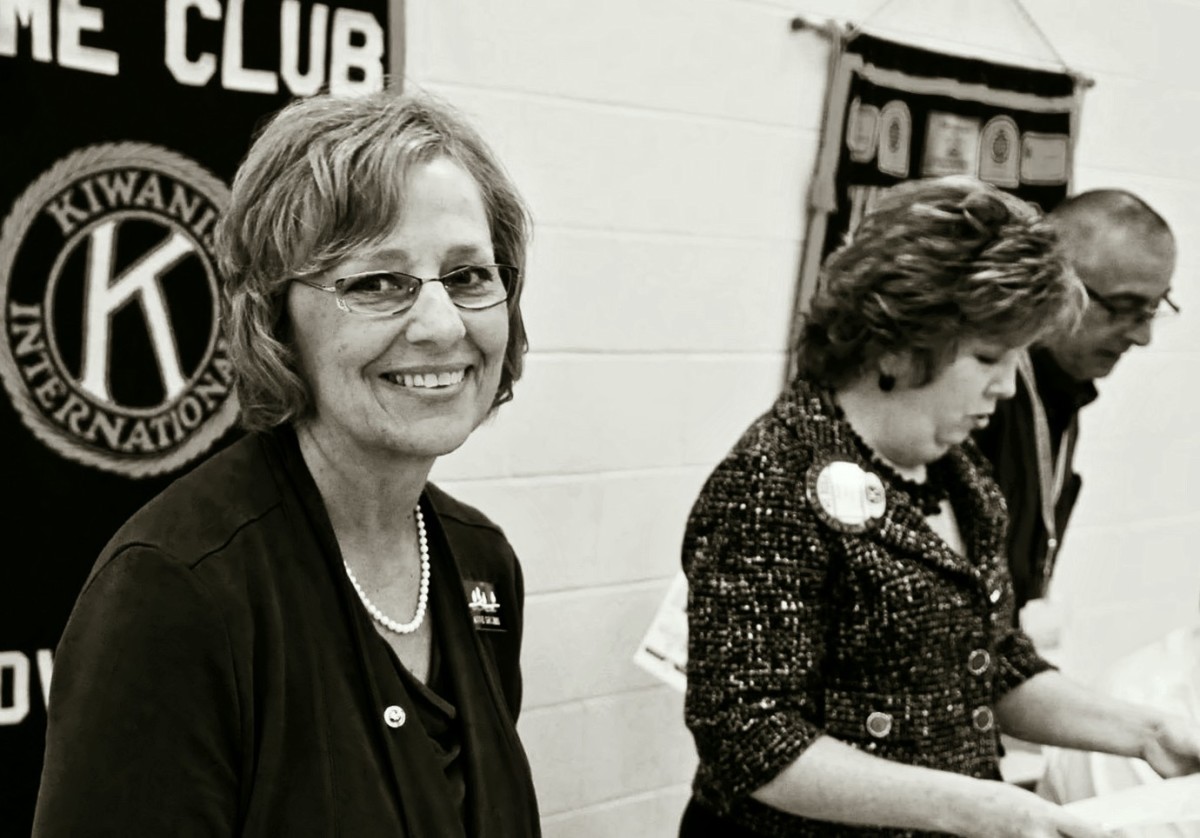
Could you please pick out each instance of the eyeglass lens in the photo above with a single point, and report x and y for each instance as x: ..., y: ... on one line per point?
x: 388, y: 292
x: 1135, y: 312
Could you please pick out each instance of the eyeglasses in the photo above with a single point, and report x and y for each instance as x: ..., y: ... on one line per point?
x: 388, y: 293
x: 1134, y: 313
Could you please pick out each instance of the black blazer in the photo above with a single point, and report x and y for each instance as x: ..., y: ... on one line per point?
x: 798, y: 626
x: 219, y: 677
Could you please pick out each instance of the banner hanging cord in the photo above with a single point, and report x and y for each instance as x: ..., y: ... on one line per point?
x: 855, y: 28
x: 847, y: 32
x: 1041, y: 33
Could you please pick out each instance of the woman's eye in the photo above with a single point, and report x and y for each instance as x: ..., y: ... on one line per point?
x: 468, y: 276
x: 987, y: 360
x: 371, y: 284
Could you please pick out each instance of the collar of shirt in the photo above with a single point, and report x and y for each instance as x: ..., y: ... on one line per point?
x: 1061, y: 395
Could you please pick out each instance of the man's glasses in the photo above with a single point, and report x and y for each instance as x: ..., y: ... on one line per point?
x: 1134, y: 313
x: 388, y: 293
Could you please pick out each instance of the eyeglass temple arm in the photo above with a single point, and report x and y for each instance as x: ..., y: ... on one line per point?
x: 332, y: 289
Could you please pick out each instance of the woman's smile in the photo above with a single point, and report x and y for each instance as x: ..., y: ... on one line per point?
x: 438, y: 380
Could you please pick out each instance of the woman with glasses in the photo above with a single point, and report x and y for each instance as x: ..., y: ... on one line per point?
x: 304, y: 636
x: 852, y: 658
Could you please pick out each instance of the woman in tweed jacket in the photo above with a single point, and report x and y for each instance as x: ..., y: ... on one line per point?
x: 852, y: 657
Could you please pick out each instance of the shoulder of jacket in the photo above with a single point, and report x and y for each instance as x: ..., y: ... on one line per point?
x: 200, y: 512
x: 784, y: 437
x: 450, y: 508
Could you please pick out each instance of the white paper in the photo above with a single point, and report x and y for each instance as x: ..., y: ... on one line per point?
x: 663, y: 651
x: 1167, y: 802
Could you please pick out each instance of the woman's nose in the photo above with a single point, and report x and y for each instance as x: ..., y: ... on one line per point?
x: 433, y: 318
x: 1004, y: 385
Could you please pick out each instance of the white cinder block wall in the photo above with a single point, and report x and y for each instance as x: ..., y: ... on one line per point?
x: 665, y: 147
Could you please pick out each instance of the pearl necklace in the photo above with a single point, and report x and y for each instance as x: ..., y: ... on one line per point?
x: 422, y: 596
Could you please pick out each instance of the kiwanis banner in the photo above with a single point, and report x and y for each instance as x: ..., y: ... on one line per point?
x: 121, y: 125
x: 895, y: 113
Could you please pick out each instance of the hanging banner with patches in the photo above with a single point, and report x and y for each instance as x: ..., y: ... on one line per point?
x: 895, y: 112
x: 121, y: 129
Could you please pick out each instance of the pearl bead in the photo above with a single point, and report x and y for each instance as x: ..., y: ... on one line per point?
x: 422, y: 595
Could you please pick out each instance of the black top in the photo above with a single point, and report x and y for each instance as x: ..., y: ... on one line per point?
x: 1010, y: 445
x: 219, y: 676
x: 434, y: 700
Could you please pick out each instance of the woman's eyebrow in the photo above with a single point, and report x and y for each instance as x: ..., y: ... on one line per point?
x: 468, y: 251
x: 389, y: 258
x: 397, y: 258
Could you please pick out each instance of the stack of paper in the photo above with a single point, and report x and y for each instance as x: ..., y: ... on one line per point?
x: 1175, y: 801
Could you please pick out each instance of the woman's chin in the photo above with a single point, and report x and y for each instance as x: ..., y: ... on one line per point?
x: 949, y: 439
x: 430, y: 445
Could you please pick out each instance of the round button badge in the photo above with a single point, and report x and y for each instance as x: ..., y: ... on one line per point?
x: 844, y: 495
x: 394, y: 716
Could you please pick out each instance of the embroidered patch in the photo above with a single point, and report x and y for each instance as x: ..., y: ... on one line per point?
x: 895, y: 139
x: 1045, y: 158
x: 113, y: 352
x: 862, y: 131
x: 486, y: 612
x: 1000, y: 152
x: 951, y: 145
x: 845, y: 496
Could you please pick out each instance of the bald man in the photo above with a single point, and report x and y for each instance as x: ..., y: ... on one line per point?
x: 1124, y: 253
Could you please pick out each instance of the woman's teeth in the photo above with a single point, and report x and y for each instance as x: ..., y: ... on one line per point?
x: 429, y: 379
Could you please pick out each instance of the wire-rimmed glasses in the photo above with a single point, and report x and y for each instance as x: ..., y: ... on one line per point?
x: 388, y: 293
x: 1134, y: 312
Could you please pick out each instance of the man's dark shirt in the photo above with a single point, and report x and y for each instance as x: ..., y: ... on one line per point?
x: 1009, y: 442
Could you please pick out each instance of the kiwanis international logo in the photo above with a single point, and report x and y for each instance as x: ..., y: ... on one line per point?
x: 112, y: 351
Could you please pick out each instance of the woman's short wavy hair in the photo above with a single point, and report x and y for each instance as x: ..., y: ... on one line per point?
x: 936, y: 262
x: 324, y: 179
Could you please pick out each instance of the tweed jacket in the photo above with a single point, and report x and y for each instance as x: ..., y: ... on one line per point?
x: 219, y: 677
x: 799, y: 626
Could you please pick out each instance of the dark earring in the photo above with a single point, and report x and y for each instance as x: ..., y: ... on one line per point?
x: 886, y: 382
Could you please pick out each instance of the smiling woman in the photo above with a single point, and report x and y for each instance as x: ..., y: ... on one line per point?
x: 288, y: 640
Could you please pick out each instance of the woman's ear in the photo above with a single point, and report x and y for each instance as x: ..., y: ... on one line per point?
x: 895, y: 368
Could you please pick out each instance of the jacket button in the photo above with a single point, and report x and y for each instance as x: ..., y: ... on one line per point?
x: 879, y: 724
x: 983, y: 719
x: 978, y: 661
x: 394, y: 716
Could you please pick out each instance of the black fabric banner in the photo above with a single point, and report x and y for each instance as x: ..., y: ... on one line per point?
x: 897, y: 112
x: 120, y: 130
